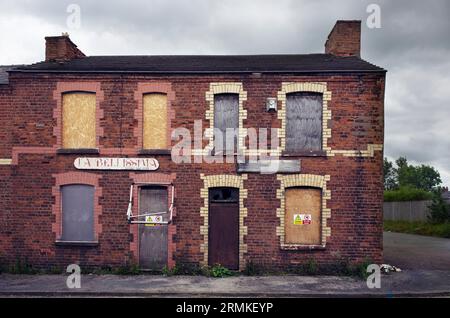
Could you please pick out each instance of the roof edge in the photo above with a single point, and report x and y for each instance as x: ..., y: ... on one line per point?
x: 380, y: 70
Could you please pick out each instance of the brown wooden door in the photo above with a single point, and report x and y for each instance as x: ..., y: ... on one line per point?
x: 223, y: 245
x: 153, y: 239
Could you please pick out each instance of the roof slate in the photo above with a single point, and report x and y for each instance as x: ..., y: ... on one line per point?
x: 278, y: 63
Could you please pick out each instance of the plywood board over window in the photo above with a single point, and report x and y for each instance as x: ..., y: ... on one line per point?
x: 303, y: 122
x: 78, y: 212
x: 301, y: 202
x: 155, y: 121
x: 78, y: 120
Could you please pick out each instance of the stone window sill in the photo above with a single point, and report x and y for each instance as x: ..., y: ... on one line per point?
x: 69, y: 151
x: 76, y: 243
x: 295, y: 247
x: 315, y: 153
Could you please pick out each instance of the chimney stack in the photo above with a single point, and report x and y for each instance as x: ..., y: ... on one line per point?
x: 344, y: 39
x: 61, y: 49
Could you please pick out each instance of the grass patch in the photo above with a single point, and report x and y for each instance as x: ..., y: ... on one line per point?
x: 421, y: 228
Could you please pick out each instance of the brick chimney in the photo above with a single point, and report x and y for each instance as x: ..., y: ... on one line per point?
x: 344, y: 39
x: 60, y: 49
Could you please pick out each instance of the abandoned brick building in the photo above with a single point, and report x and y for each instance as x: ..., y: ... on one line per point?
x: 88, y: 175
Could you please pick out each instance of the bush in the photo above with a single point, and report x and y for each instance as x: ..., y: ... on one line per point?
x: 407, y: 194
x: 439, y: 210
x: 217, y: 271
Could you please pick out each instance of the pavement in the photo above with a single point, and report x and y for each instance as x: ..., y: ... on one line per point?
x: 424, y: 262
x: 404, y: 284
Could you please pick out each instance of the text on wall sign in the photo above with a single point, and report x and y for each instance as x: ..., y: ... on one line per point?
x: 102, y: 163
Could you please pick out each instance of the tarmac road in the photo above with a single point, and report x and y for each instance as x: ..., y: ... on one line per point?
x: 416, y: 252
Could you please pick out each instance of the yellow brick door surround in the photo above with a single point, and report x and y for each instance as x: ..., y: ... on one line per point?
x: 223, y: 180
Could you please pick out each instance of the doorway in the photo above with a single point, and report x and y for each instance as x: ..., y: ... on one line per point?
x: 153, y: 238
x: 223, y: 233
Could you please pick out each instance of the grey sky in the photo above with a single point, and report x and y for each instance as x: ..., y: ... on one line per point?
x: 413, y: 44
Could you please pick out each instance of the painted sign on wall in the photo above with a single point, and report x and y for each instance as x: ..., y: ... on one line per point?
x: 102, y: 163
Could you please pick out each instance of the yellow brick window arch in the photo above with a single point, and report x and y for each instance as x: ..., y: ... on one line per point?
x: 312, y: 87
x: 224, y: 88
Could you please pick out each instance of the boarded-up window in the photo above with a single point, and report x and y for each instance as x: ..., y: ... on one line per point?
x: 77, y: 212
x: 226, y: 116
x: 155, y: 121
x: 303, y: 122
x: 78, y: 120
x: 302, y: 222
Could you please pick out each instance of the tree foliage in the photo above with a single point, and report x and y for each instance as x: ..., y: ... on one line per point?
x: 390, y: 179
x: 422, y: 177
x: 439, y: 209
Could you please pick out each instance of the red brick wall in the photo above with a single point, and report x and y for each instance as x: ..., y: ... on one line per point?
x: 6, y: 117
x: 355, y: 183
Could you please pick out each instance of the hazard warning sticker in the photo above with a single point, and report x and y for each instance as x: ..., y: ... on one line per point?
x: 153, y: 220
x: 300, y: 219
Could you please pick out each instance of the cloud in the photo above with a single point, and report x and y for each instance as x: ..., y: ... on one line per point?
x: 412, y: 44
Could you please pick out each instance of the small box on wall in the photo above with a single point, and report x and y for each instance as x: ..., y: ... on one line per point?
x: 271, y: 104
